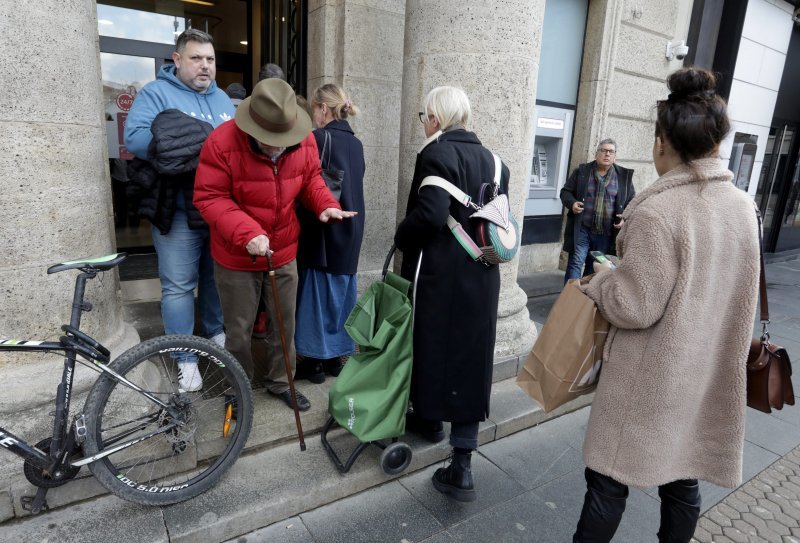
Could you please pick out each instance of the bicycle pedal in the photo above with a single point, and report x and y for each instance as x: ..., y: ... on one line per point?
x: 29, y: 503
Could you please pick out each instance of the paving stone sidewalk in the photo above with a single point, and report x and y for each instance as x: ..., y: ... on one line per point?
x: 766, y: 508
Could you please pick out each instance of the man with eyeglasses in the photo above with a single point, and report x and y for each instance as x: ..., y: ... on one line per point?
x: 595, y: 196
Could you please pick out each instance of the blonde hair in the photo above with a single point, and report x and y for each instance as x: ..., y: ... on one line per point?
x: 336, y: 100
x: 449, y: 105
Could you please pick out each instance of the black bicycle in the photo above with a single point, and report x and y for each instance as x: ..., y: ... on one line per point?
x: 143, y: 437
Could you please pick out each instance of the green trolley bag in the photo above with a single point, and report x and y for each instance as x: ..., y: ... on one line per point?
x: 370, y: 396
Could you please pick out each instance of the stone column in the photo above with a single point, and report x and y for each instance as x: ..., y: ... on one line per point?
x: 56, y: 203
x: 491, y: 50
x: 358, y: 44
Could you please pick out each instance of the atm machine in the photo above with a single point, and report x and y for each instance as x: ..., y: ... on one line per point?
x: 743, y: 156
x: 550, y: 160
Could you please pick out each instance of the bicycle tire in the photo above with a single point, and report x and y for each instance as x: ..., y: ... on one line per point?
x: 176, y: 464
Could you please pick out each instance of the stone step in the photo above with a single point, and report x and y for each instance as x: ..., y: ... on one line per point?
x: 272, y: 481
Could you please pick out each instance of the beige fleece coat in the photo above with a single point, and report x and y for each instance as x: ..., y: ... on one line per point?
x: 670, y: 403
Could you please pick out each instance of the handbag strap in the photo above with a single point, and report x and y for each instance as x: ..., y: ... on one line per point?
x: 460, y: 196
x: 498, y: 171
x: 464, y: 199
x: 762, y: 281
x: 326, y: 147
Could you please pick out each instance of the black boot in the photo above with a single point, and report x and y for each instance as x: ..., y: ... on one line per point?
x: 309, y: 368
x: 333, y: 366
x: 429, y: 430
x: 456, y: 479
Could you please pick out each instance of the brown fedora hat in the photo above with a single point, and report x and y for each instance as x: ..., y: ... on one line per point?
x: 271, y: 115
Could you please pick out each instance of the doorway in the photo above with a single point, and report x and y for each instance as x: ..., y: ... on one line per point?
x: 137, y: 37
x: 778, y: 192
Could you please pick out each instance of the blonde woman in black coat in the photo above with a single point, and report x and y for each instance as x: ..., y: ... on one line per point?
x: 327, y: 254
x: 455, y: 297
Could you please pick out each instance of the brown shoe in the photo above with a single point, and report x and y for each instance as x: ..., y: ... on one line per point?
x: 302, y: 402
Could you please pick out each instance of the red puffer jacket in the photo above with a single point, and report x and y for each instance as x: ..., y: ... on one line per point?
x: 242, y: 194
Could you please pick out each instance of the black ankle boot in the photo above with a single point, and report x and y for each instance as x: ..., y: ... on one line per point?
x: 429, y: 430
x: 311, y: 369
x: 456, y: 479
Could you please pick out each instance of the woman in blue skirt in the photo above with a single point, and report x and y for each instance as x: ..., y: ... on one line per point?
x: 327, y: 257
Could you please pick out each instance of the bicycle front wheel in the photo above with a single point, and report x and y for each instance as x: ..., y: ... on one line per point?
x: 172, y: 445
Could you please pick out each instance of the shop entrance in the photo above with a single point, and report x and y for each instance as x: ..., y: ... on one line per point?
x: 137, y: 37
x: 779, y: 189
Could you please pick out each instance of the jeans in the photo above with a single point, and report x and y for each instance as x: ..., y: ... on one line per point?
x: 464, y: 435
x: 605, y: 502
x: 184, y: 263
x: 585, y: 242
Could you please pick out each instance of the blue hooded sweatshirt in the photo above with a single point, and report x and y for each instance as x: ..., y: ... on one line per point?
x: 169, y: 92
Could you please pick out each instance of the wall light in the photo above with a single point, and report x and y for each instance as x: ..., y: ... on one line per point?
x: 243, y: 42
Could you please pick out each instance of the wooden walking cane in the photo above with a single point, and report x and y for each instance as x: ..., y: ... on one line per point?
x: 286, y: 363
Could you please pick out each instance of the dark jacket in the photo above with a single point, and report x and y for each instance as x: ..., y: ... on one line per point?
x: 334, y: 248
x: 575, y: 190
x: 173, y: 156
x: 455, y: 300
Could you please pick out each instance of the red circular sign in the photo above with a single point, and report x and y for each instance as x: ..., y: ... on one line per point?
x: 124, y: 101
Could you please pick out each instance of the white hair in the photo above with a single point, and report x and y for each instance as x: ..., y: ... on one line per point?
x: 449, y: 105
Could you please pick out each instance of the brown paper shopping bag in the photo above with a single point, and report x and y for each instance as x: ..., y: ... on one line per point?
x: 566, y: 358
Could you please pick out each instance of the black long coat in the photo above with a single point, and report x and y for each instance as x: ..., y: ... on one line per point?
x: 575, y: 190
x: 334, y: 248
x: 455, y: 303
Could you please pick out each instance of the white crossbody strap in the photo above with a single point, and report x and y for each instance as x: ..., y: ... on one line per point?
x: 462, y: 197
x: 434, y: 180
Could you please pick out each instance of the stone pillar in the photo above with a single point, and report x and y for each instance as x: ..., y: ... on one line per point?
x: 56, y: 203
x: 491, y: 50
x: 358, y: 44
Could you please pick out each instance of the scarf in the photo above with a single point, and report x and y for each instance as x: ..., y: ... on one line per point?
x: 603, y: 208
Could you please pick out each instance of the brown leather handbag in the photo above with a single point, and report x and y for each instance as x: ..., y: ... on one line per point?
x: 769, y: 370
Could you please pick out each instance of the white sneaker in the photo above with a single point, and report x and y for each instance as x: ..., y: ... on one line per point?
x: 189, y: 377
x: 219, y: 339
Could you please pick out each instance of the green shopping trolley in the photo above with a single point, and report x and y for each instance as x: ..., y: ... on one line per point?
x: 370, y: 396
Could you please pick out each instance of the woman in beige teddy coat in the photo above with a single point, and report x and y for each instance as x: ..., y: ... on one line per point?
x: 669, y: 407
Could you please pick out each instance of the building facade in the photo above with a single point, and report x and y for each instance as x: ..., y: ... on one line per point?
x: 548, y: 79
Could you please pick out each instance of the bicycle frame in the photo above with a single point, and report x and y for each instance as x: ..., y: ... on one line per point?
x: 74, y: 343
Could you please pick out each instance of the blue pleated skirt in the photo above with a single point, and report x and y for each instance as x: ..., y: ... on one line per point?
x: 324, y: 301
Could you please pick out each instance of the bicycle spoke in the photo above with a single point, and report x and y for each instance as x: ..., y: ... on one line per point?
x: 190, y: 453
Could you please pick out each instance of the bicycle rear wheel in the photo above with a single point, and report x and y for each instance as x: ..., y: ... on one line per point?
x: 185, y: 447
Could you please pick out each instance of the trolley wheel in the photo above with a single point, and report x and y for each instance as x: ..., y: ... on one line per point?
x: 395, y: 458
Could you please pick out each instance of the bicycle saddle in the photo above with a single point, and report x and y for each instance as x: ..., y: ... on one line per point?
x: 100, y: 263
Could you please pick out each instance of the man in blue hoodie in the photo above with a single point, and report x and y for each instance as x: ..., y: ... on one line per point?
x: 180, y: 236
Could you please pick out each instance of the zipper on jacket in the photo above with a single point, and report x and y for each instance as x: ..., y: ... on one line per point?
x: 277, y: 196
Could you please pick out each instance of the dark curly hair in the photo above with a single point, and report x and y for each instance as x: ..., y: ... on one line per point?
x: 694, y: 117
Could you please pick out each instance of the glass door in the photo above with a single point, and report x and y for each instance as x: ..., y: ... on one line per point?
x: 137, y: 37
x: 123, y: 76
x: 788, y: 233
x: 778, y: 186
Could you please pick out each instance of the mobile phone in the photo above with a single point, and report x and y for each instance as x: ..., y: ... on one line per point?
x: 601, y: 258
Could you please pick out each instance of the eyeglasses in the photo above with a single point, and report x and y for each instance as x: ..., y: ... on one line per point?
x: 423, y: 118
x: 606, y: 152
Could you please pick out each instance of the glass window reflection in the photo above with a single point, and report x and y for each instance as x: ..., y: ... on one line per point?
x: 116, y: 22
